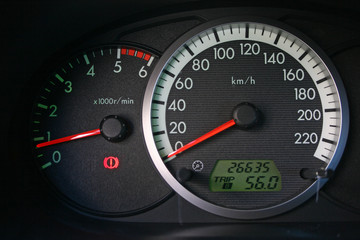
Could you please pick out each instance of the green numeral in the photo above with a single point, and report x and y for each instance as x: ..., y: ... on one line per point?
x: 56, y: 157
x: 54, y: 109
x: 91, y: 71
x: 69, y: 87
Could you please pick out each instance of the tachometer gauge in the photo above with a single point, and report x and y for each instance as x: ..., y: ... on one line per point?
x: 86, y: 132
x: 245, y: 119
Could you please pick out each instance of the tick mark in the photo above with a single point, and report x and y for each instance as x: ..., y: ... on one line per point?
x: 169, y: 73
x: 158, y: 102
x: 303, y: 55
x: 277, y: 38
x: 189, y: 50
x: 216, y: 35
x: 158, y: 133
x: 328, y: 141
x: 322, y: 80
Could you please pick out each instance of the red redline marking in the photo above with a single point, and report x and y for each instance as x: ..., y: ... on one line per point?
x: 139, y: 54
x: 147, y: 57
x: 131, y: 52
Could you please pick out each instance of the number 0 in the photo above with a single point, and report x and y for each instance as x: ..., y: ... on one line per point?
x: 56, y: 157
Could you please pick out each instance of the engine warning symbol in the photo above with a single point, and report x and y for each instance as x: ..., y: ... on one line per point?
x: 197, y: 166
x: 111, y: 162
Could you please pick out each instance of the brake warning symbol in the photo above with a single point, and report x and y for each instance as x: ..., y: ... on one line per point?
x: 111, y: 162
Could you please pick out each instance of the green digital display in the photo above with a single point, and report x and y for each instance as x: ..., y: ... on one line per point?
x: 245, y: 176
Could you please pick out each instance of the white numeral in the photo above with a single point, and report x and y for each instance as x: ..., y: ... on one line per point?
x: 177, y: 105
x: 303, y: 93
x: 187, y: 84
x: 178, y: 127
x: 308, y: 115
x: 221, y: 53
x: 274, y: 58
x: 291, y: 75
x: 203, y: 65
x: 249, y: 49
x: 306, y: 138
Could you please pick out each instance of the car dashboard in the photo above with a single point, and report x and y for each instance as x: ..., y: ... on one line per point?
x: 180, y: 119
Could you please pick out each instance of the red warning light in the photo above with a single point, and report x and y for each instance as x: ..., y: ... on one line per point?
x: 111, y: 162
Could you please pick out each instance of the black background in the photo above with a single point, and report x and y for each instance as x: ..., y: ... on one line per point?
x: 32, y: 33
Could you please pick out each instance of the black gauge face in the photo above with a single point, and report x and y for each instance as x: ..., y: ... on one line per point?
x: 245, y: 118
x: 86, y: 132
x: 280, y: 132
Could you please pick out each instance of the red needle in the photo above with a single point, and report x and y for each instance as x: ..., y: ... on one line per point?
x: 70, y: 138
x: 203, y: 137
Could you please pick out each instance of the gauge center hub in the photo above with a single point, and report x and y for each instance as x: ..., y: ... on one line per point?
x: 246, y: 115
x: 113, y: 128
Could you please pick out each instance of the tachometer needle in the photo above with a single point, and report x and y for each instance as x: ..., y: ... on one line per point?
x: 203, y: 137
x: 70, y: 138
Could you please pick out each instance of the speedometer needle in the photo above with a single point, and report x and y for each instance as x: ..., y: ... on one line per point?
x: 245, y: 115
x: 203, y: 137
x: 70, y: 138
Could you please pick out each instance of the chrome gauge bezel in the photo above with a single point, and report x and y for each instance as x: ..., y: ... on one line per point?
x: 210, y: 207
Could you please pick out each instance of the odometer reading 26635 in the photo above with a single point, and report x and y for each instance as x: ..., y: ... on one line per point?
x: 245, y: 119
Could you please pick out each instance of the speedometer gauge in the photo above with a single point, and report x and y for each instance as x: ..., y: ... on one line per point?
x: 245, y: 119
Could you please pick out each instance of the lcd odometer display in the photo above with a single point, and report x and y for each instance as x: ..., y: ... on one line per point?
x: 245, y: 175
